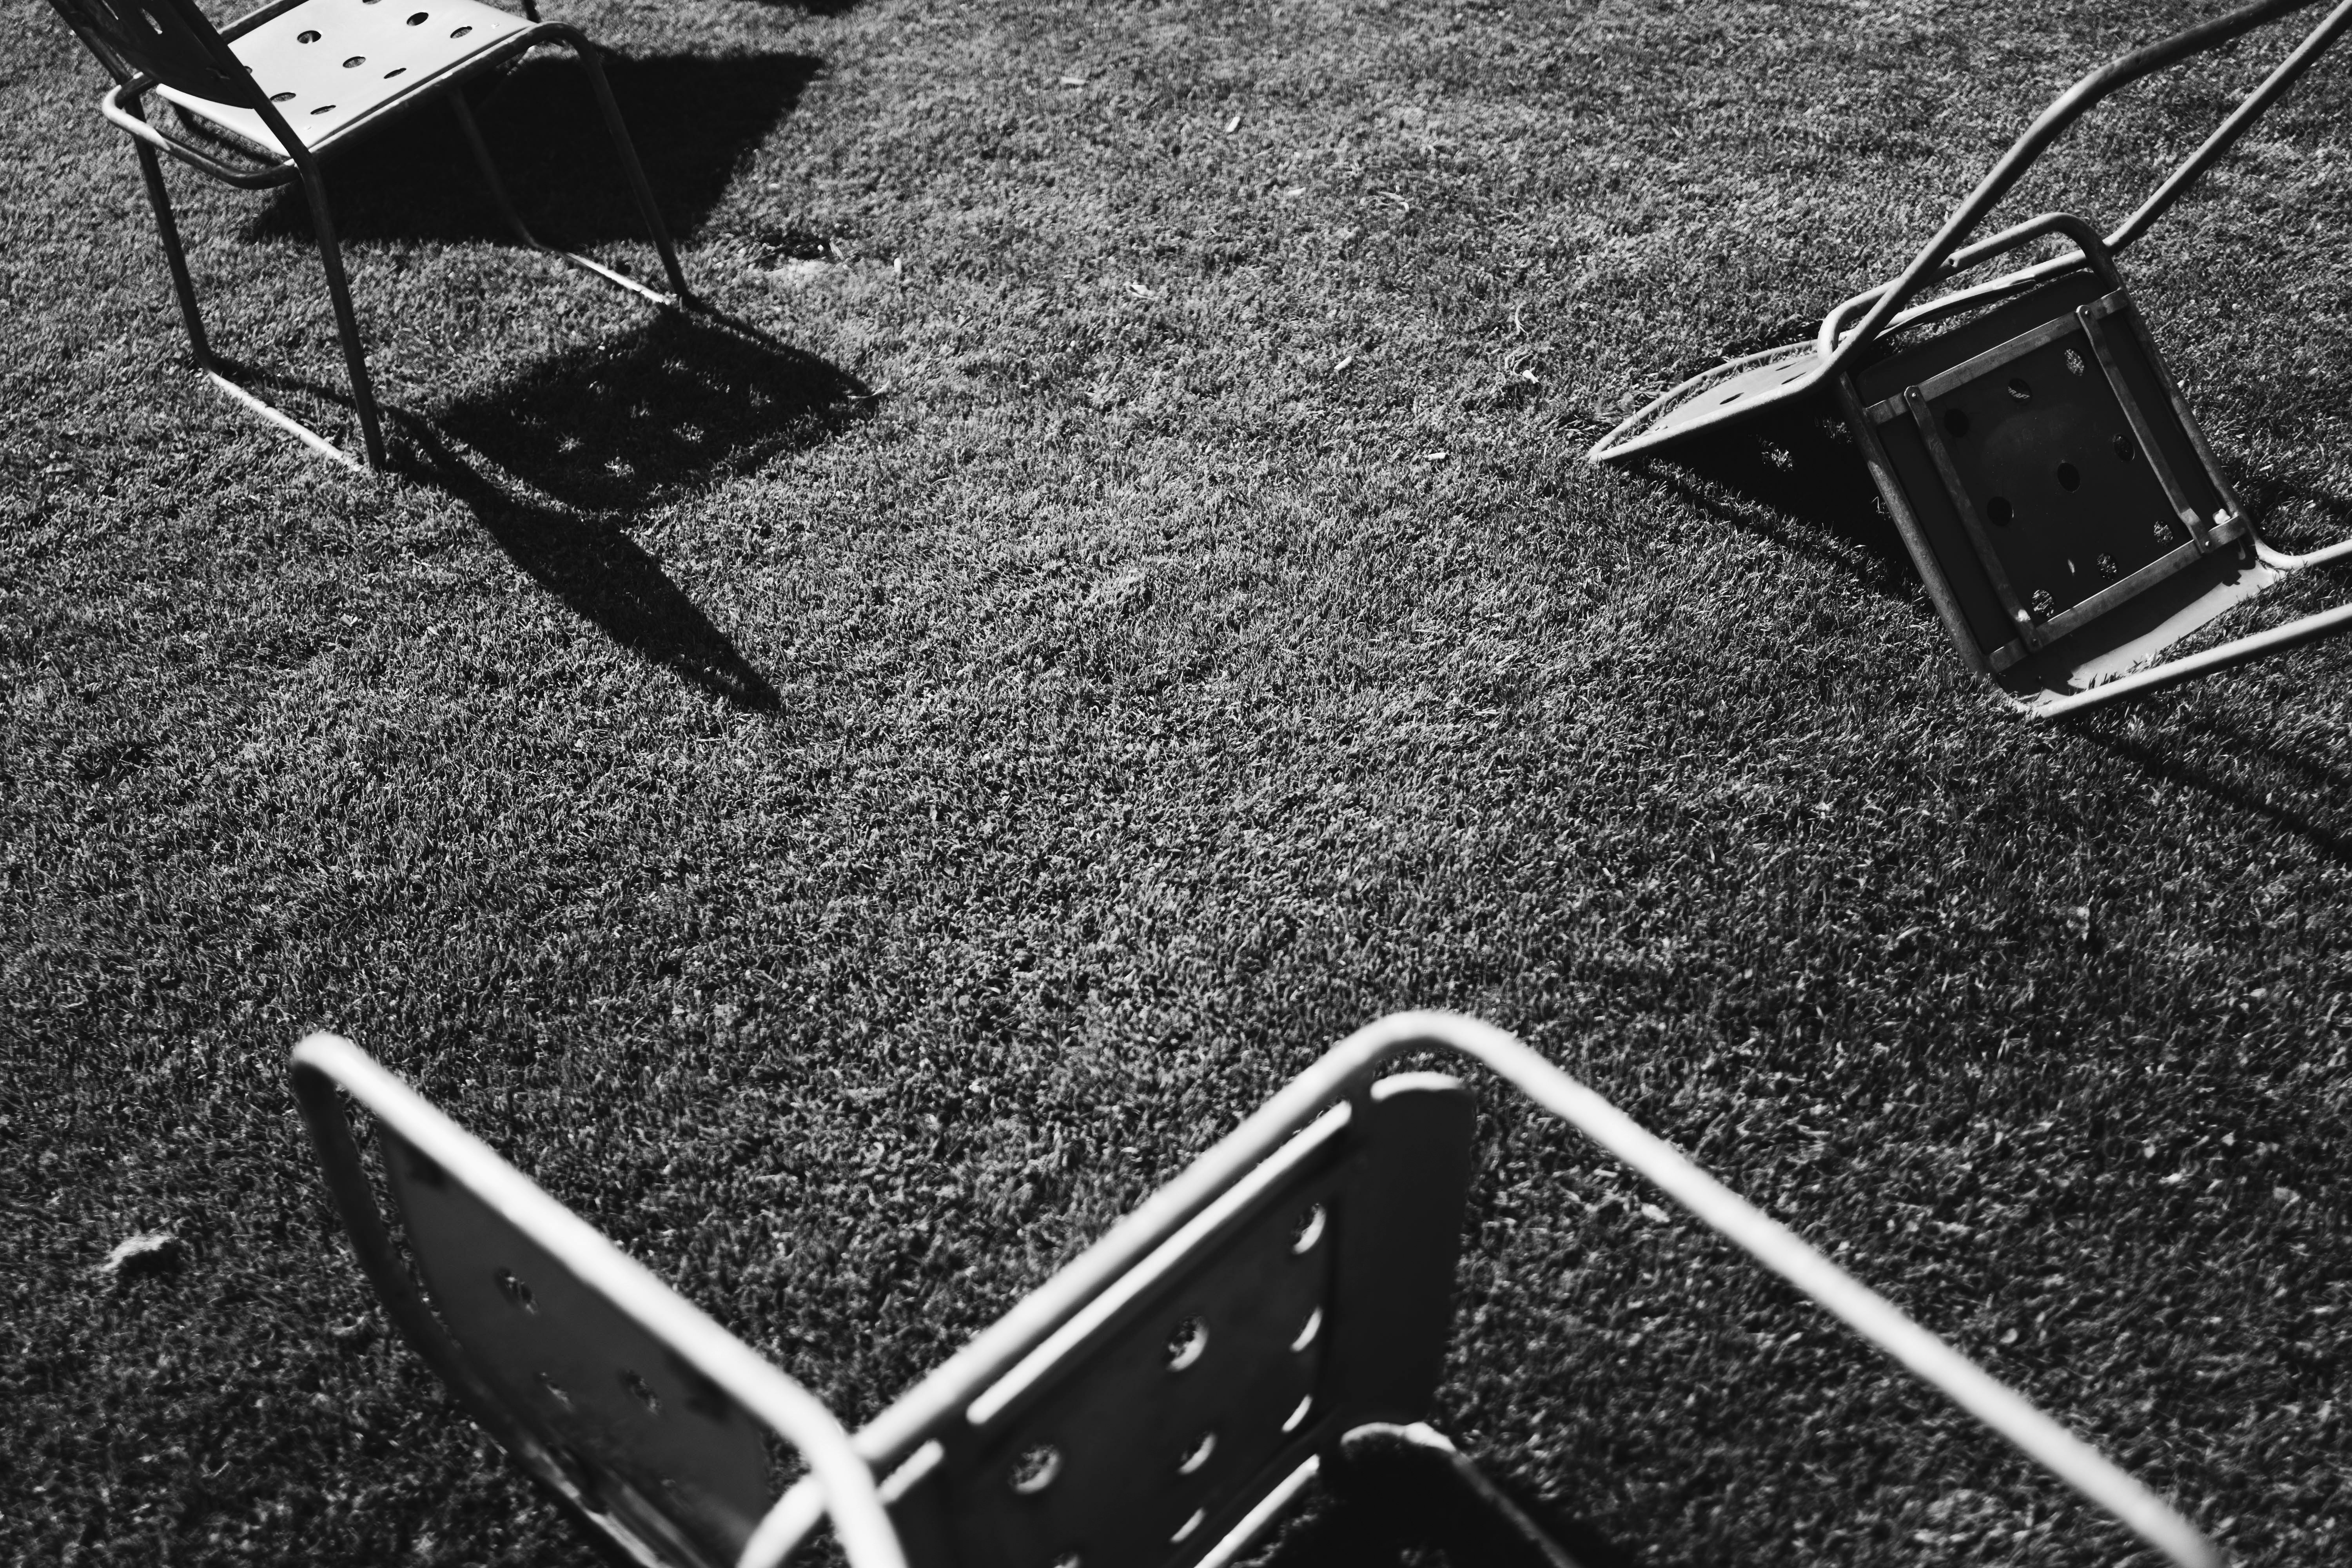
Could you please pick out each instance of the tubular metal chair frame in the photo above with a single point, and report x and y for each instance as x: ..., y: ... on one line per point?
x: 214, y: 71
x: 904, y: 1443
x: 1746, y: 387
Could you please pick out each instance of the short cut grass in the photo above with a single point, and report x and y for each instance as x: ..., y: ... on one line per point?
x: 850, y: 806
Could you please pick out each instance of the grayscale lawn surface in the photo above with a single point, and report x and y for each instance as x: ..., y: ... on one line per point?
x: 851, y: 810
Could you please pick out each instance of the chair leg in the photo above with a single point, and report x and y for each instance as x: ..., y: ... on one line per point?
x: 1416, y: 1476
x: 181, y: 284
x: 505, y: 203
x: 497, y: 187
x: 627, y: 150
x: 331, y: 255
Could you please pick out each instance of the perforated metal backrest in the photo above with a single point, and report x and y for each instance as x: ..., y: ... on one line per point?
x: 1313, y: 1296
x: 648, y: 1419
x: 636, y: 1431
x: 169, y: 40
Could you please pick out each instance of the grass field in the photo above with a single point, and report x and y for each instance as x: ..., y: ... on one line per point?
x: 852, y: 805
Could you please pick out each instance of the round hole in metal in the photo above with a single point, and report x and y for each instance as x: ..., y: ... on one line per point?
x: 2042, y: 602
x: 1309, y: 1230
x: 281, y: 97
x: 324, y: 108
x: 2163, y: 532
x: 1034, y: 1469
x: 645, y: 1394
x: 2069, y: 477
x: 1309, y: 1330
x: 2123, y: 447
x: 1956, y: 423
x: 2074, y: 365
x: 2107, y: 567
x: 355, y: 61
x: 462, y: 31
x: 2020, y: 388
x: 1298, y: 1418
x: 1999, y: 511
x: 1196, y: 1453
x: 308, y: 36
x: 396, y: 70
x: 516, y: 1291
x: 1185, y: 1532
x: 418, y: 20
x: 1186, y: 1342
x: 1731, y: 396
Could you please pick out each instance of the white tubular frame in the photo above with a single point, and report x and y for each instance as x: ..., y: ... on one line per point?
x: 841, y: 1479
x: 1346, y: 1072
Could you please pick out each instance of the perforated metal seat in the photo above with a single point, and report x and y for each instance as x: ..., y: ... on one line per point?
x: 331, y: 65
x: 1280, y: 1306
x: 264, y: 99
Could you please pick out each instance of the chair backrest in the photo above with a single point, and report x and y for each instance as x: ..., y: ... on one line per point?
x: 1311, y: 1297
x: 643, y: 1416
x: 1304, y: 1290
x: 169, y: 40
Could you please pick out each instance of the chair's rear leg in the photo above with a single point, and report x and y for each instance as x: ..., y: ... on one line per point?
x: 483, y: 160
x: 506, y: 210
x: 339, y: 290
x: 1425, y: 1483
x: 181, y: 284
x: 627, y: 150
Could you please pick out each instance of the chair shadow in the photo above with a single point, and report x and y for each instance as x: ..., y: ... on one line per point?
x: 694, y: 120
x: 553, y: 463
x: 602, y: 432
x: 690, y: 398
x: 1794, y: 478
x: 596, y: 571
x: 2254, y: 753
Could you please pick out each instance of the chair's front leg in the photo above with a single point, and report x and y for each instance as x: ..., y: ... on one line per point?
x: 181, y: 283
x: 346, y: 320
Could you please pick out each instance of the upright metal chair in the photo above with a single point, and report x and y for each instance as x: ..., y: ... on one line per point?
x: 2066, y: 512
x: 1281, y: 1305
x: 259, y: 104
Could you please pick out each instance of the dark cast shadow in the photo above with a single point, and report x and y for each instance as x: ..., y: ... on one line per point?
x: 1793, y: 476
x: 556, y: 460
x: 689, y: 399
x: 2263, y: 773
x: 596, y: 571
x: 584, y: 561
x: 695, y: 119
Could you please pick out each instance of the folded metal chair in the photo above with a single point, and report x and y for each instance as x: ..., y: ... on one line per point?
x: 2046, y: 472
x: 259, y: 105
x: 1283, y: 1304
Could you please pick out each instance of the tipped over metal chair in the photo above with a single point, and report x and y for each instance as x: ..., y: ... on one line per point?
x: 1281, y: 1306
x: 259, y: 103
x: 2057, y: 495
